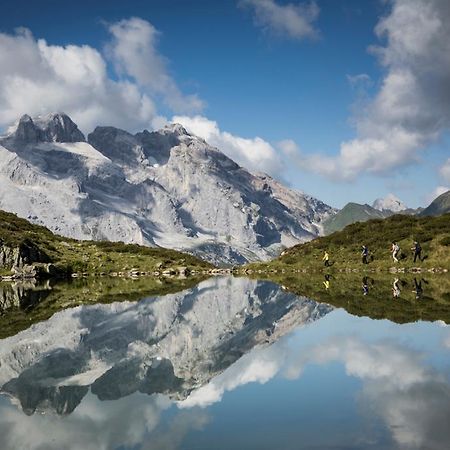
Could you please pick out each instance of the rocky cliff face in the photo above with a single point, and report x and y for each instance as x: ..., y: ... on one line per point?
x: 171, y: 344
x: 22, y: 294
x: 166, y: 188
x: 50, y: 128
x: 17, y: 256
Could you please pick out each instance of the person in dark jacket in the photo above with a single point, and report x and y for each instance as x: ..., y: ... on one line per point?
x: 365, y: 254
x: 418, y: 290
x: 417, y: 249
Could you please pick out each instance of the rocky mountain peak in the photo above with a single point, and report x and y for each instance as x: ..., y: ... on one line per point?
x: 389, y: 203
x: 55, y: 127
x: 26, y: 130
x: 176, y: 129
x: 152, y: 147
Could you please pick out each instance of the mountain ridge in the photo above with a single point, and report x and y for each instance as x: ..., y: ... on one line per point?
x: 351, y: 213
x: 163, y: 188
x: 439, y: 206
x: 355, y: 212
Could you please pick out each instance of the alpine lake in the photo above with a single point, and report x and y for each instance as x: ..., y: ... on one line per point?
x: 304, y: 361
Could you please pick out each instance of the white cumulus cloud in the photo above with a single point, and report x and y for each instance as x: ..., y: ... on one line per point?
x: 134, y: 52
x: 38, y: 78
x: 259, y: 366
x: 397, y: 384
x: 295, y: 21
x: 123, y: 423
x: 412, y: 106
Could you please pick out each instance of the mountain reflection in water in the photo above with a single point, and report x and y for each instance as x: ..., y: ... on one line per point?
x: 224, y: 364
x: 168, y: 345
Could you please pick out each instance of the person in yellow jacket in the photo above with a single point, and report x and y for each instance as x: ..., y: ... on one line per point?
x: 326, y: 283
x: 326, y: 259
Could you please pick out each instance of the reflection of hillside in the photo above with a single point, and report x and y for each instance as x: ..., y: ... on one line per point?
x: 25, y: 303
x: 21, y: 295
x: 346, y: 291
x: 171, y: 344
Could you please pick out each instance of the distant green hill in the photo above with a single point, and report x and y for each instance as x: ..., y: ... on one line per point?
x: 25, y: 244
x: 344, y: 247
x: 352, y: 213
x: 439, y: 206
x: 355, y: 212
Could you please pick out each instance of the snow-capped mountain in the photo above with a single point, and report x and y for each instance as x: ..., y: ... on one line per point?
x: 389, y: 203
x: 163, y: 188
x: 170, y: 345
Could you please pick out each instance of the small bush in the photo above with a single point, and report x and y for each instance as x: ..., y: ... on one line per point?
x: 424, y: 237
x: 289, y: 259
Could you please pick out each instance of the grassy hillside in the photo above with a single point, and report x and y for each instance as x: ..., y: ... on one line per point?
x: 351, y: 213
x: 345, y: 291
x: 39, y: 244
x: 344, y: 247
x: 440, y: 205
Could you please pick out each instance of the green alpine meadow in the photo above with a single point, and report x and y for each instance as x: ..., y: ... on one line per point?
x: 28, y: 250
x: 345, y: 247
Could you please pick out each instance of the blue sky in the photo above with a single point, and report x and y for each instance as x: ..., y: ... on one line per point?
x: 255, y: 79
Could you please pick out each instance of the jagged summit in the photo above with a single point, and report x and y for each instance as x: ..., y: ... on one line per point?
x: 176, y: 129
x: 389, y: 203
x: 55, y: 127
x: 141, y: 149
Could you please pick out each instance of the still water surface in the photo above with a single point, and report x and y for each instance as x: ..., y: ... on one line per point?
x: 231, y: 363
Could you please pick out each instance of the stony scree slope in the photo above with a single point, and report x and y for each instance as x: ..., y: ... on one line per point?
x: 163, y: 188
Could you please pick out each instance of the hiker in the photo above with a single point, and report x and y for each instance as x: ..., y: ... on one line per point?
x: 418, y: 289
x: 396, y: 288
x: 395, y: 249
x: 326, y: 259
x: 326, y: 283
x: 417, y: 249
x: 365, y: 254
x: 365, y: 285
